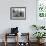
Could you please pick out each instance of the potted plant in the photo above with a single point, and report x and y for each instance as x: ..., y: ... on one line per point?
x: 39, y: 35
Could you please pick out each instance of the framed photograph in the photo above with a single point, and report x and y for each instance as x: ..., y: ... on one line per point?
x: 18, y: 13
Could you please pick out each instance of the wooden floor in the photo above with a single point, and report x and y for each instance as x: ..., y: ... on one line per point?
x: 13, y: 44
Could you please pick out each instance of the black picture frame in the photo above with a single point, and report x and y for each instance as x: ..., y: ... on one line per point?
x: 18, y: 13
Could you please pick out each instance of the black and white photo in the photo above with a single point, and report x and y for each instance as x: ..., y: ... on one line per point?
x: 17, y: 13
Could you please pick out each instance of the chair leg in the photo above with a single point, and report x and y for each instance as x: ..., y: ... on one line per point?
x: 5, y: 43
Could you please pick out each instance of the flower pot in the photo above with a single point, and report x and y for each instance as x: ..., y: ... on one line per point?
x: 40, y: 41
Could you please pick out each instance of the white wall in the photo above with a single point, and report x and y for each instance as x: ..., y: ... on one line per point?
x: 24, y: 25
